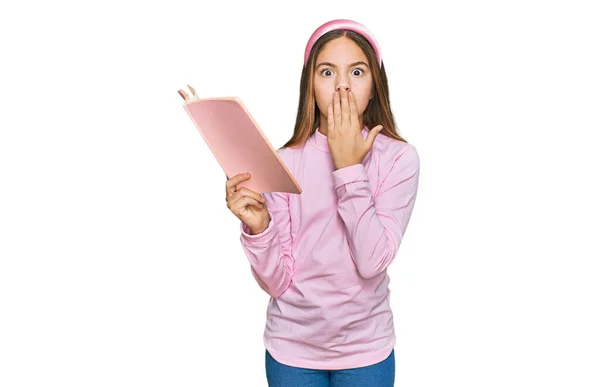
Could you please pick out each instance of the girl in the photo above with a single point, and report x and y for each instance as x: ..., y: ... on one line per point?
x: 323, y: 255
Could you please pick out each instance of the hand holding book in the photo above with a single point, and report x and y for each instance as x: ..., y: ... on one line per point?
x: 238, y: 144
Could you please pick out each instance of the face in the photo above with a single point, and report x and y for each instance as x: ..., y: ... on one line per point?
x: 342, y: 65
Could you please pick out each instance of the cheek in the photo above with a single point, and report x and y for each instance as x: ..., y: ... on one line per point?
x: 361, y: 96
x: 361, y: 102
x: 323, y: 96
x: 321, y: 92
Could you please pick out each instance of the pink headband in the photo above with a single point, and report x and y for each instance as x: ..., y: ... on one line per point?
x: 339, y: 24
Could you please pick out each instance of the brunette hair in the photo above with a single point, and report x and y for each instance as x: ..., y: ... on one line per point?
x: 378, y: 111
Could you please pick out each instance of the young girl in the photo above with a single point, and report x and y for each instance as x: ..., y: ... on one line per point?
x: 323, y: 255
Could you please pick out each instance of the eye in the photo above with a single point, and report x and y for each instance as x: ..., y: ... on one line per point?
x: 361, y: 71
x: 322, y: 71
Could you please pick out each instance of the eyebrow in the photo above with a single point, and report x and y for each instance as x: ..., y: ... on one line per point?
x: 360, y: 62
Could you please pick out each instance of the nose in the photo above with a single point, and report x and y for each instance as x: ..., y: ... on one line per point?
x: 342, y: 86
x: 343, y: 83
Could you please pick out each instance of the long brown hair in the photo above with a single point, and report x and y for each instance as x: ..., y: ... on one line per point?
x: 378, y: 111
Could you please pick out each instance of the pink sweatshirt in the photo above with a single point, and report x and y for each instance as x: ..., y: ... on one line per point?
x: 324, y: 255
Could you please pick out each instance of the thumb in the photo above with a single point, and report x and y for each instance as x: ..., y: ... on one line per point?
x: 372, y: 134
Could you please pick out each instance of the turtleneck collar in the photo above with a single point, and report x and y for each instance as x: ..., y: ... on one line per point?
x: 319, y: 140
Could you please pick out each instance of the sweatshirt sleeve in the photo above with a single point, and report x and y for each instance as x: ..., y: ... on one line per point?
x: 375, y: 225
x: 270, y: 252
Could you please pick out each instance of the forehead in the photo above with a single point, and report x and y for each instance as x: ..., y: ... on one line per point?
x: 341, y: 50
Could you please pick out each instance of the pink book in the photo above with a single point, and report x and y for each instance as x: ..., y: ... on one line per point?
x: 238, y: 144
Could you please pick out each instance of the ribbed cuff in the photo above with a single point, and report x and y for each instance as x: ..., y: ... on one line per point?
x: 262, y: 237
x: 349, y: 174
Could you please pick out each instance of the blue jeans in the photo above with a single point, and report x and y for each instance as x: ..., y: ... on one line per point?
x: 380, y: 374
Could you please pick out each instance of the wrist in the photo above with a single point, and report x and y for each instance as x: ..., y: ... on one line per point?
x: 347, y: 164
x: 261, y: 229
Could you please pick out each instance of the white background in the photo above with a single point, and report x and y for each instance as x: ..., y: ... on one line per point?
x: 121, y: 264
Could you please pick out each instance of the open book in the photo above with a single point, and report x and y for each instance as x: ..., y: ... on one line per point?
x: 238, y: 144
